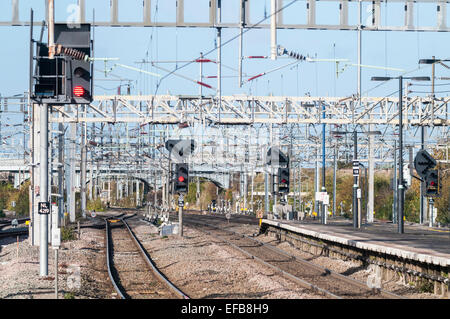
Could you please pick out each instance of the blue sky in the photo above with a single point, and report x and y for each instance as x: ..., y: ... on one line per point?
x: 391, y: 49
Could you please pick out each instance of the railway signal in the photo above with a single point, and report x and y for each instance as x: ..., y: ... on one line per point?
x: 180, y: 149
x: 432, y: 183
x: 283, y: 180
x: 78, y: 87
x: 276, y: 157
x: 65, y: 76
x: 423, y: 162
x: 181, y: 183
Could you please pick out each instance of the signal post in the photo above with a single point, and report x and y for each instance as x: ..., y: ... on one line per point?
x: 60, y: 74
x: 181, y: 187
x: 179, y: 150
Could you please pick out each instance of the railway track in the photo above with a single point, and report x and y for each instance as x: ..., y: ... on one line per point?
x: 130, y: 268
x: 305, y: 273
x: 13, y: 232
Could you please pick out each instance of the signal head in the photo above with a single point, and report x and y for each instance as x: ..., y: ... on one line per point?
x: 78, y: 91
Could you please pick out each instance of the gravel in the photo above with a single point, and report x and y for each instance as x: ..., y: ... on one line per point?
x: 199, y: 265
x: 81, y: 269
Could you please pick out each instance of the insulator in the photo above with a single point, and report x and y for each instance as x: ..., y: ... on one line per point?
x: 78, y: 55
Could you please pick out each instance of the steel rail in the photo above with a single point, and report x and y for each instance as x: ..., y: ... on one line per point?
x: 144, y: 254
x: 307, y: 263
x: 108, y: 260
x: 19, y: 220
x: 294, y: 278
x: 14, y: 232
x: 152, y: 265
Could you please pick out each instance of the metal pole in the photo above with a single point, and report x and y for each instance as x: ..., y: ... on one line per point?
x: 83, y: 168
x: 266, y: 192
x: 400, y: 152
x: 244, y: 189
x: 356, y: 178
x: 370, y: 199
x: 294, y: 179
x: 422, y: 184
x: 43, y: 243
x: 431, y: 212
x: 299, y: 187
x: 273, y: 29
x: 395, y: 186
x: 219, y: 57
x: 51, y: 29
x: 316, y: 181
x: 138, y: 196
x: 334, y: 179
x: 355, y: 182
x: 56, y: 273
x: 61, y: 171
x: 201, y: 78
x: 253, y: 176
x: 198, y: 192
x: 71, y: 183
x: 433, y: 68
x: 30, y: 89
x: 359, y: 50
x: 241, y: 42
x: 180, y: 218
x: 323, y: 217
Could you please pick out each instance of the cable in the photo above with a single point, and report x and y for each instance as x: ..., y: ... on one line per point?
x: 226, y: 42
x: 429, y: 92
x: 384, y: 82
x: 418, y: 84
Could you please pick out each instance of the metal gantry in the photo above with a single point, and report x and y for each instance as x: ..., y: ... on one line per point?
x: 309, y: 14
x: 226, y: 125
x: 249, y: 110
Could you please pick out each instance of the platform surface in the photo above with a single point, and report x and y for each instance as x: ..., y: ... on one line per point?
x: 418, y: 242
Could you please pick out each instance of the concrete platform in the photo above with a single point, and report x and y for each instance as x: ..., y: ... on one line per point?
x: 418, y: 243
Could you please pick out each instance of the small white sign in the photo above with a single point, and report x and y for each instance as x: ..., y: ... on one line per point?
x: 320, y: 196
x: 326, y: 200
x: 93, y: 214
x: 56, y: 237
x: 55, y: 217
x: 358, y: 193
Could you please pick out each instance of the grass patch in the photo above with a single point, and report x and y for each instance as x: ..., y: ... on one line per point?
x: 67, y: 234
x: 69, y: 295
x: 426, y: 286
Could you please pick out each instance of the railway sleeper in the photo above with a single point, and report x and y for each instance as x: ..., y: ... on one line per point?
x: 425, y: 277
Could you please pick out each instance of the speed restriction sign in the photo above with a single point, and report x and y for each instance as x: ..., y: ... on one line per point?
x: 44, y: 208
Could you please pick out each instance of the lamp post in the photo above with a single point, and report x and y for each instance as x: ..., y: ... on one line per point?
x: 355, y: 178
x: 355, y: 182
x: 433, y: 62
x: 370, y: 184
x: 401, y: 188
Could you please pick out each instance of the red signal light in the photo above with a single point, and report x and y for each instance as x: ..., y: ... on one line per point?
x: 283, y: 181
x: 432, y: 183
x: 181, y: 179
x: 78, y: 91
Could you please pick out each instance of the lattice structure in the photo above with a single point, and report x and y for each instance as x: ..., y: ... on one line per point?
x: 310, y: 14
x: 246, y: 110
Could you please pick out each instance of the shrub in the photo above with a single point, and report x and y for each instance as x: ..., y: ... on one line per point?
x: 69, y: 295
x: 96, y: 205
x: 67, y: 233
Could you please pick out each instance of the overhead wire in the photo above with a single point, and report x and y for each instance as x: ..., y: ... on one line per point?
x: 226, y: 42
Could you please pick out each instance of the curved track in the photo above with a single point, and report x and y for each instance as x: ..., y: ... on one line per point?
x: 130, y: 268
x: 307, y: 274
